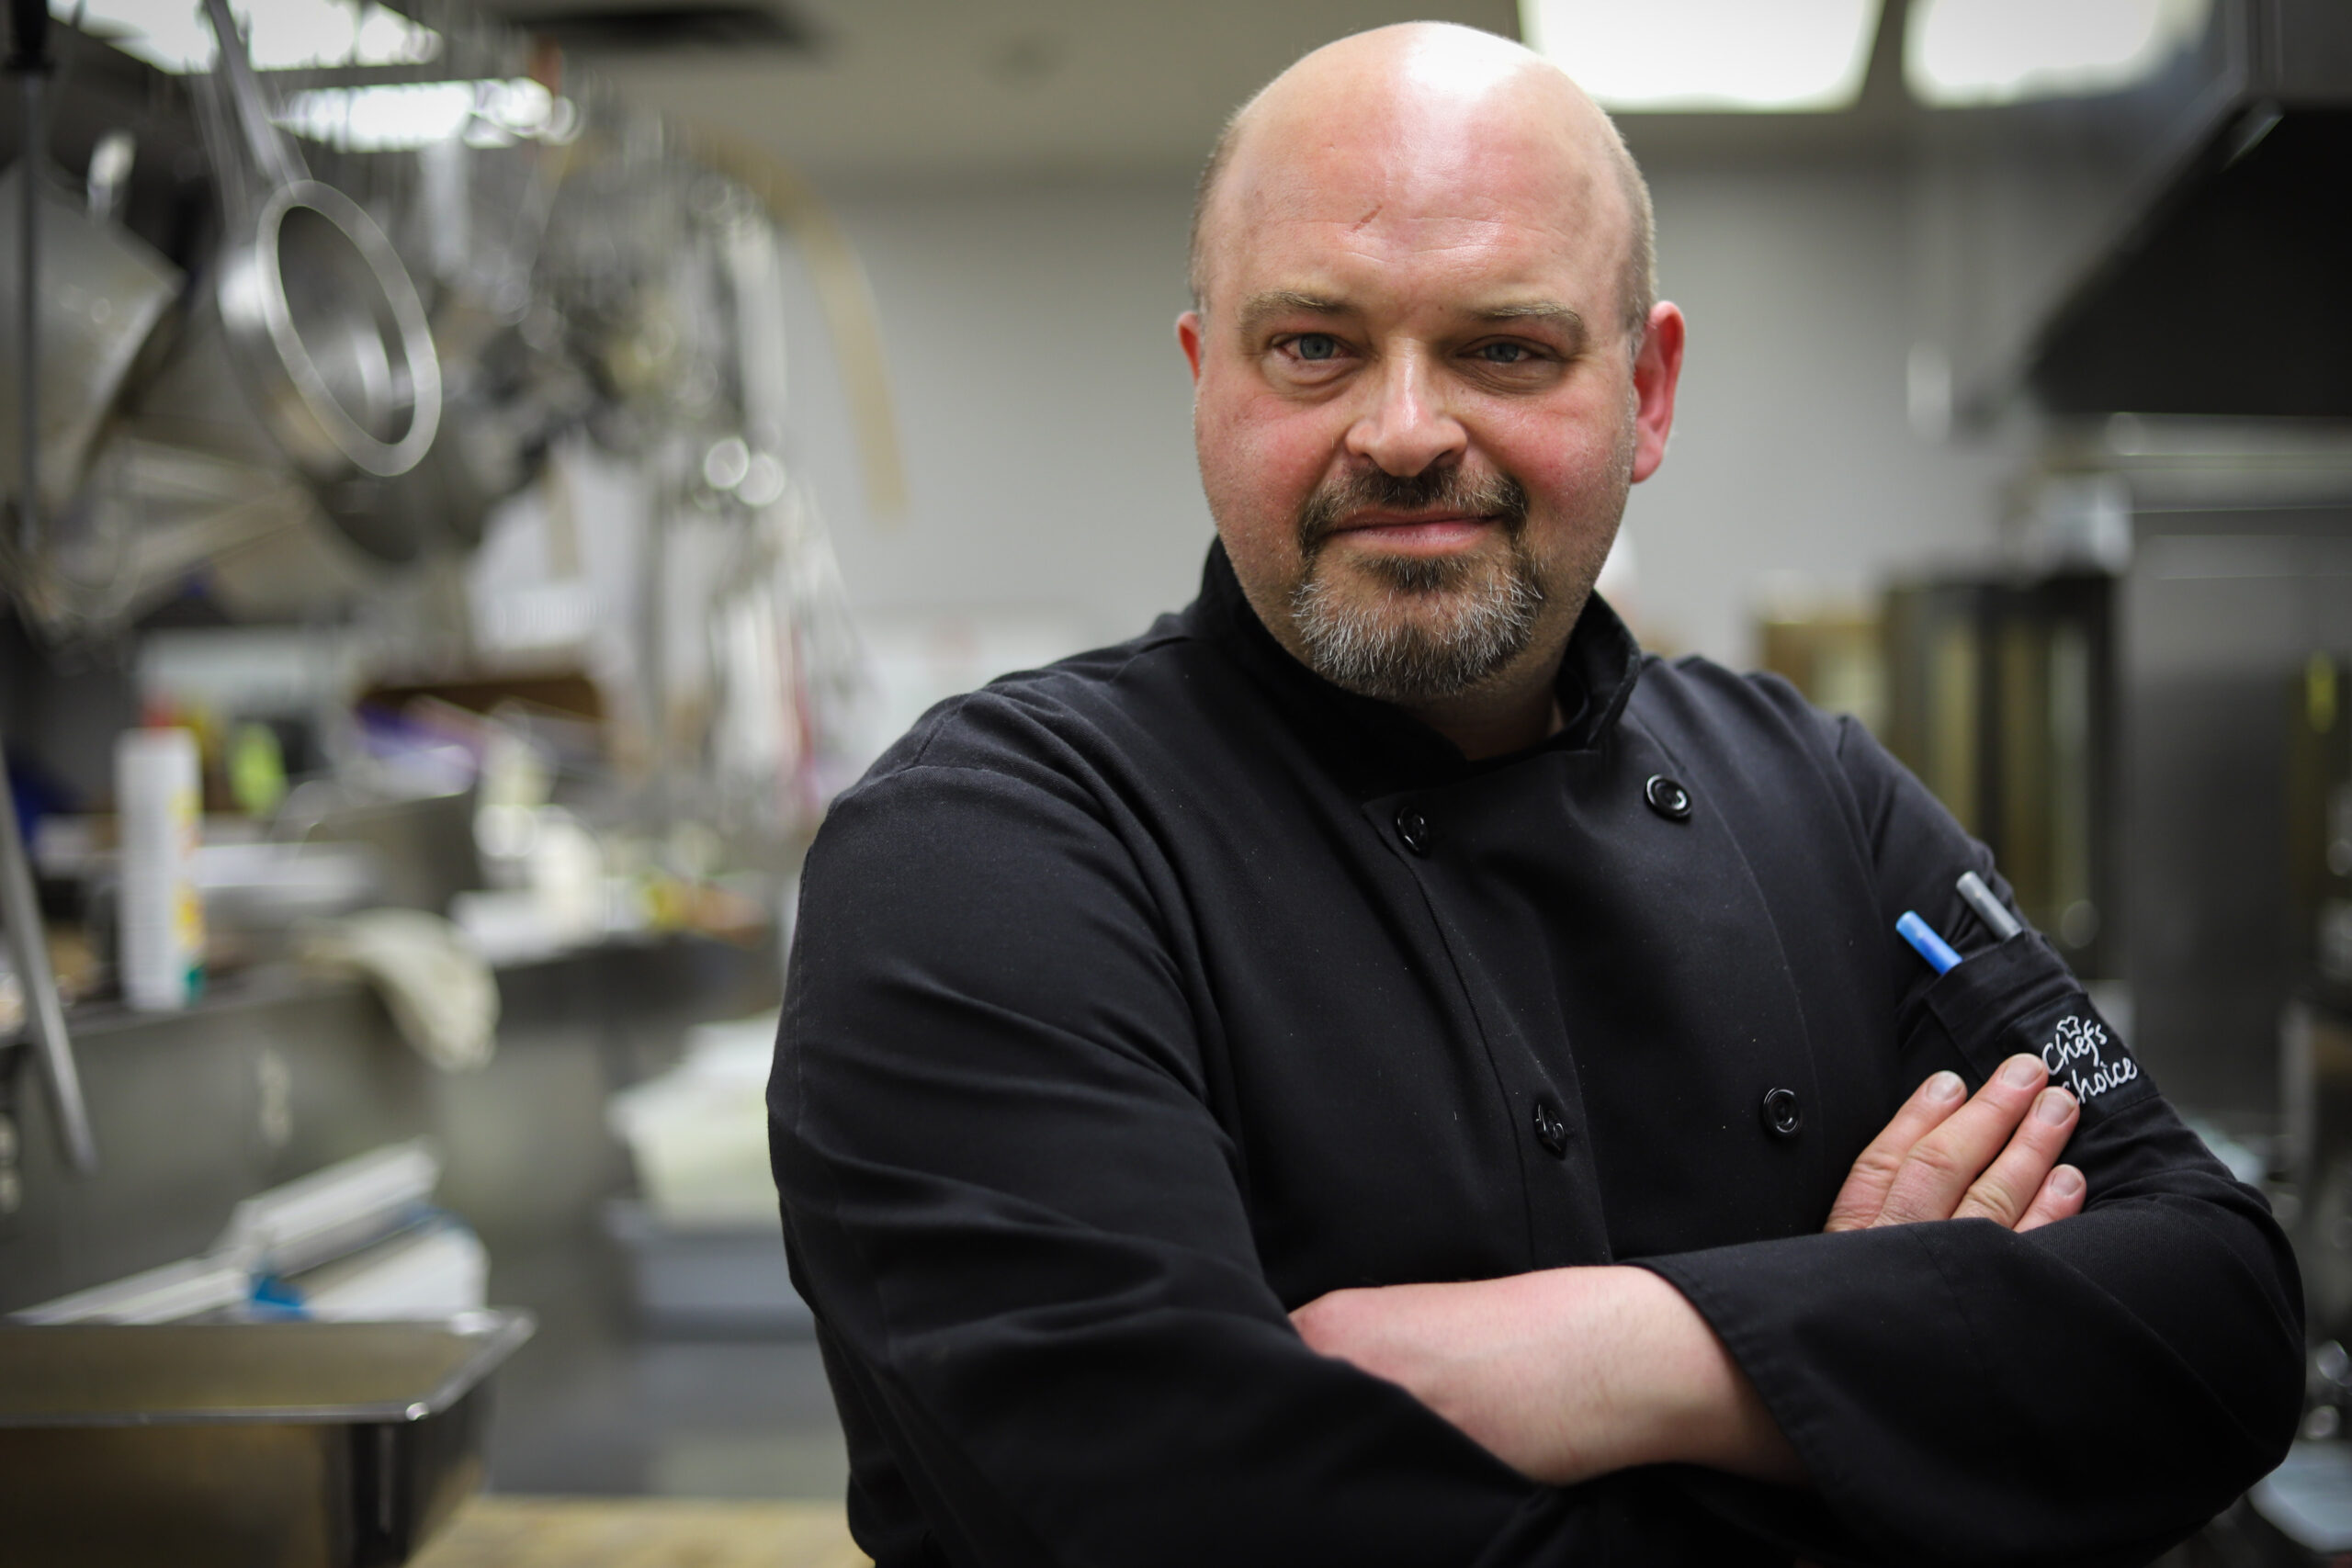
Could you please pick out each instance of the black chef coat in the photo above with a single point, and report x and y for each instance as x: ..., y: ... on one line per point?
x: 1140, y: 1000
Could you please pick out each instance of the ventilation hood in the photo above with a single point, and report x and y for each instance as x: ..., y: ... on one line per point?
x: 2229, y: 289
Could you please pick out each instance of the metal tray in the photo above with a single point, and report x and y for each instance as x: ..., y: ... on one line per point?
x: 256, y: 1445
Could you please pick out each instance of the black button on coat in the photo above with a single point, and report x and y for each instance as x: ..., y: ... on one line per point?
x: 1123, y: 1020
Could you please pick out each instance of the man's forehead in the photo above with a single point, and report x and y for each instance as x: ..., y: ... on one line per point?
x: 1394, y: 170
x: 1403, y: 163
x: 1491, y: 216
x: 1390, y: 254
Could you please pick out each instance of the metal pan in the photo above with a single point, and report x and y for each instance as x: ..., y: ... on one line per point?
x: 311, y: 347
x: 102, y: 292
x: 279, y: 1445
x: 308, y: 344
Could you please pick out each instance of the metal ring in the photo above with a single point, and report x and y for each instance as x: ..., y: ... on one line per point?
x: 362, y: 450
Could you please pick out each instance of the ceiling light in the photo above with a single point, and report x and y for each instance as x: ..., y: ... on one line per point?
x: 284, y: 35
x: 403, y: 115
x: 2000, y: 52
x: 1708, y: 55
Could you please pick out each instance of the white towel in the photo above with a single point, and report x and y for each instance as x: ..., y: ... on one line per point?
x: 435, y: 983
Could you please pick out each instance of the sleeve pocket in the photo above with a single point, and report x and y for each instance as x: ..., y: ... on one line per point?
x: 2019, y: 996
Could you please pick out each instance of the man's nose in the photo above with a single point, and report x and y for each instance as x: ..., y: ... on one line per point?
x: 1408, y: 426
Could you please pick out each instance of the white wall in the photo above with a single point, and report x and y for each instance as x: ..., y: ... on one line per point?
x: 1792, y: 451
x: 1045, y: 410
x: 1044, y: 407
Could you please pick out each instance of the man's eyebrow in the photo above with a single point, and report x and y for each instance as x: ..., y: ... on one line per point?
x: 1550, y: 311
x: 1281, y: 301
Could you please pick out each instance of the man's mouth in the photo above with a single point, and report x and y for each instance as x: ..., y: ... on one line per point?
x: 1417, y: 532
x: 1434, y: 516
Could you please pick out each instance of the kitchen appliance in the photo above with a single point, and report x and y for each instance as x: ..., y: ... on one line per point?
x: 2068, y: 231
x: 2001, y: 696
x: 2319, y: 826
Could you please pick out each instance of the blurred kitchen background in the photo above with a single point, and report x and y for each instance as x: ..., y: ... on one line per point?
x: 496, y: 470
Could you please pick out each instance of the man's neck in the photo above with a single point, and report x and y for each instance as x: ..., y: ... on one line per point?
x: 1500, y: 717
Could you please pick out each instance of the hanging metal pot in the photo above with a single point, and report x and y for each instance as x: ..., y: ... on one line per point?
x: 102, y: 291
x: 308, y: 344
x: 311, y: 344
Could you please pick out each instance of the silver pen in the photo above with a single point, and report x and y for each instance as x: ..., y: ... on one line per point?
x: 1989, y: 910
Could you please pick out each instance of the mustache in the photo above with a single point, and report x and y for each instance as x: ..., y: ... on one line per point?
x: 1445, y: 490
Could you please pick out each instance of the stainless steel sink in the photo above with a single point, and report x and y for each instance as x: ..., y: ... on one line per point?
x: 261, y: 1445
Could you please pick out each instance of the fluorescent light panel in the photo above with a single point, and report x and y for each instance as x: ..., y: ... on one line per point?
x: 401, y: 117
x: 1709, y: 55
x: 285, y: 35
x: 1960, y: 53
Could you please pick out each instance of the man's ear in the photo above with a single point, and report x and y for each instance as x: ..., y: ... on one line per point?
x: 1188, y: 338
x: 1657, y: 370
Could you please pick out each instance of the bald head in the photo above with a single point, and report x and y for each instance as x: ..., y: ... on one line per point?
x: 1443, y: 93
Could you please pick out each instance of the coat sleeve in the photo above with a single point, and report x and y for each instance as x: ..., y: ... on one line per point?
x: 2086, y: 1393
x: 1023, y: 1234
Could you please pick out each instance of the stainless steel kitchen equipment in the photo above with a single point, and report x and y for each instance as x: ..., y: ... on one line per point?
x: 150, y: 513
x: 28, y: 943
x: 103, y: 292
x: 480, y: 215
x: 20, y: 914
x: 279, y: 1445
x: 311, y: 345
x: 2242, y: 547
x: 2319, y: 826
x: 28, y: 64
x: 2068, y: 231
x: 2001, y: 697
x: 2315, y: 1101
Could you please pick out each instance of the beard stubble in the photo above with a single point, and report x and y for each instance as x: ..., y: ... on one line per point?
x: 1418, y: 629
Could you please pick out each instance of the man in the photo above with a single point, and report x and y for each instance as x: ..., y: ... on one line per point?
x: 1374, y: 1070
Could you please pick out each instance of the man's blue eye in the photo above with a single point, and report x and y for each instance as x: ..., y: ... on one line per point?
x: 1505, y: 353
x: 1317, y: 346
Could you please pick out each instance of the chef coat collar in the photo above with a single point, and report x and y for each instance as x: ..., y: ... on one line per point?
x: 1378, y: 747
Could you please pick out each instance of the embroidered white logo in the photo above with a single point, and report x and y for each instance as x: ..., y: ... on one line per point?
x: 2073, y: 1056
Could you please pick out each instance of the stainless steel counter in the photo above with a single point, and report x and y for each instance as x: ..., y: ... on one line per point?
x: 276, y: 1073
x: 279, y: 1074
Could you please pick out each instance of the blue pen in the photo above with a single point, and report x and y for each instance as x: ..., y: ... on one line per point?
x: 1922, y: 936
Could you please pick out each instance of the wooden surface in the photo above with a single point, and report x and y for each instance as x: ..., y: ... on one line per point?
x: 641, y: 1532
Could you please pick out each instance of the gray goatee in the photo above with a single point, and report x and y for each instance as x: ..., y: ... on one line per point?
x: 1421, y: 629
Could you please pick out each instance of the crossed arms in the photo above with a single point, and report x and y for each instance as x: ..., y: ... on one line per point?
x: 1573, y: 1374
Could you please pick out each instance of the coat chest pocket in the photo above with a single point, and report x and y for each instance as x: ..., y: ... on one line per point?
x: 2019, y: 996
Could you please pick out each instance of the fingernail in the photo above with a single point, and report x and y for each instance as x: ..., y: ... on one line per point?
x: 2054, y: 1106
x: 1944, y: 1086
x: 2022, y: 1072
x: 2065, y: 1181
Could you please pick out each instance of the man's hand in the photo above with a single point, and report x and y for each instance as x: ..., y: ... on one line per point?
x: 1992, y: 1157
